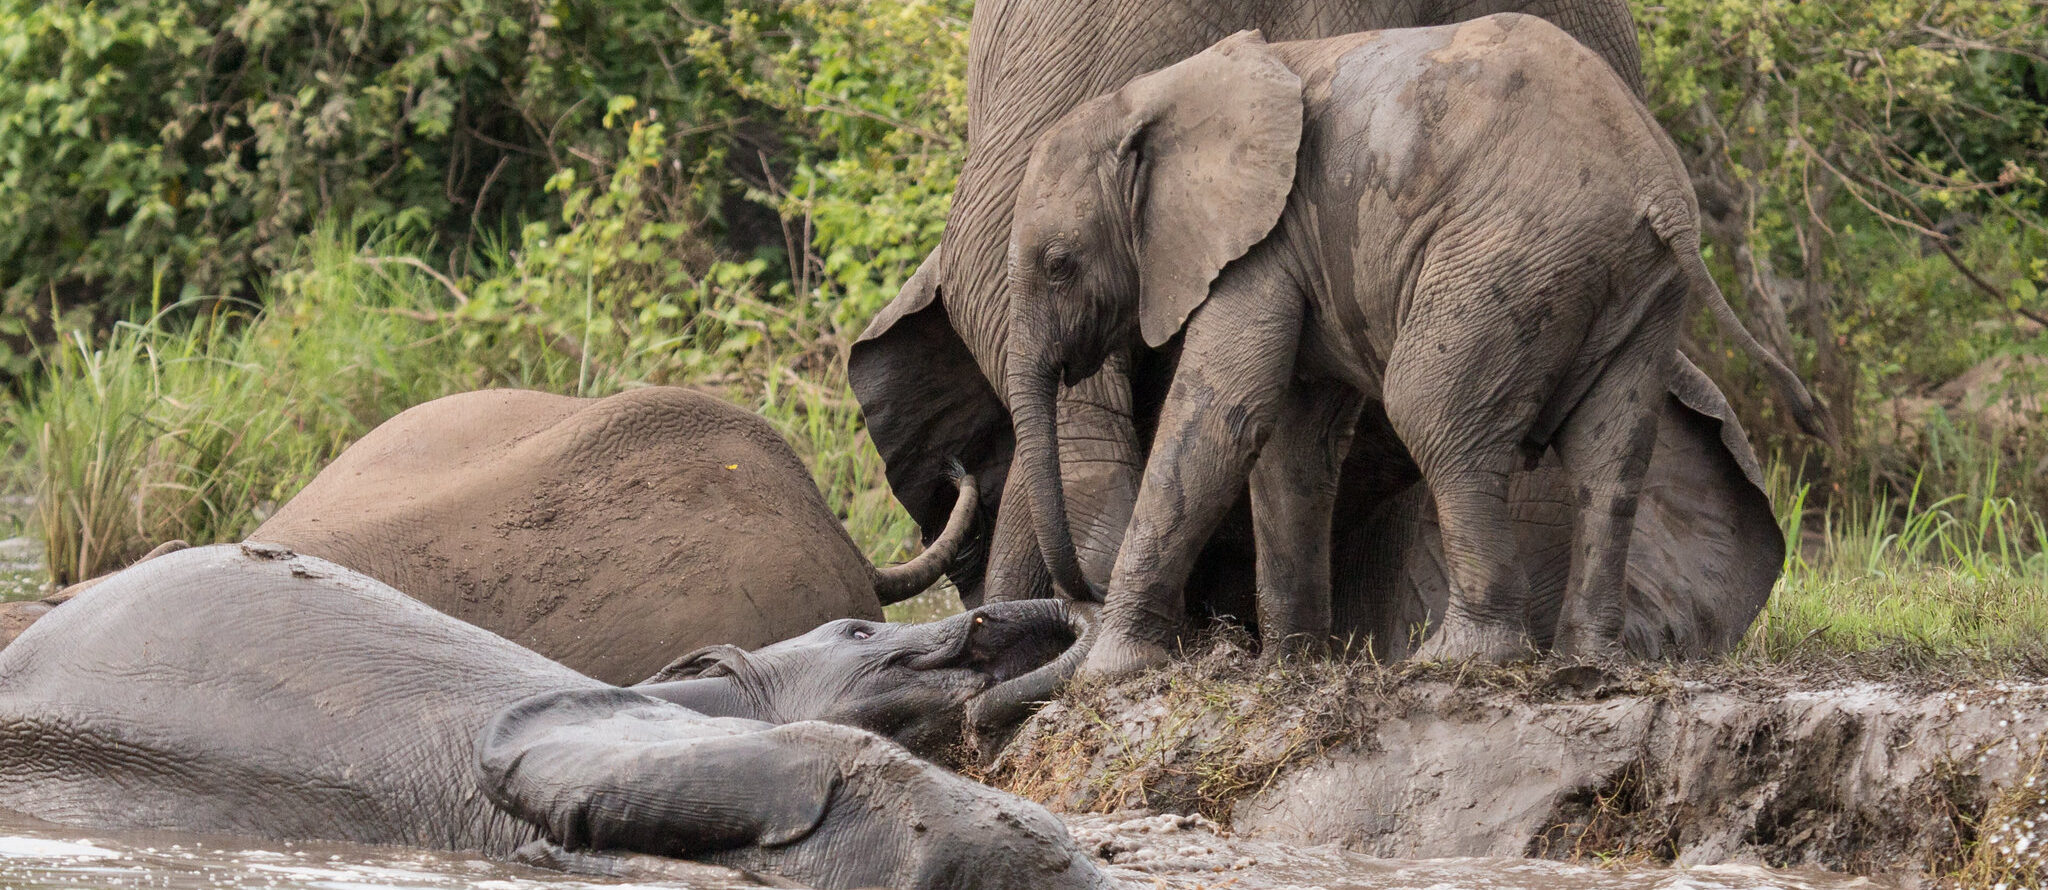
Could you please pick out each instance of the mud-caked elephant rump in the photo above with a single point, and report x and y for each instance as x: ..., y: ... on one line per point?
x: 248, y: 689
x: 607, y: 534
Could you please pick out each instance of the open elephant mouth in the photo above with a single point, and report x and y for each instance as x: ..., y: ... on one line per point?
x: 1026, y: 658
x: 1003, y: 656
x: 999, y: 643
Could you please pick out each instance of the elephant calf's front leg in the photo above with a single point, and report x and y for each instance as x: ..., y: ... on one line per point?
x: 1235, y: 366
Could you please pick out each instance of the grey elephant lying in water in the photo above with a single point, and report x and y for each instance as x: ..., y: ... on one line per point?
x: 249, y: 689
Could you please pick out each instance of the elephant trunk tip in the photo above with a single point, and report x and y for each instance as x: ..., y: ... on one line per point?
x: 994, y: 716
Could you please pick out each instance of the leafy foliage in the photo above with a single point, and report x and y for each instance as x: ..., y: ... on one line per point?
x: 199, y: 139
x: 1879, y: 168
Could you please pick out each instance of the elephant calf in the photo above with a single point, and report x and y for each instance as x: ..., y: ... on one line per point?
x: 607, y: 534
x: 244, y: 688
x: 1478, y: 226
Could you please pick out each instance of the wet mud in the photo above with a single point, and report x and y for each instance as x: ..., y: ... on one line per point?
x: 1911, y: 782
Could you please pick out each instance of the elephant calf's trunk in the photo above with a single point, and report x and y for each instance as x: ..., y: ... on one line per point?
x: 996, y: 714
x: 901, y: 582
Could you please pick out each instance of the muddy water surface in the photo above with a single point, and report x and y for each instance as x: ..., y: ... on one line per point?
x: 1148, y: 852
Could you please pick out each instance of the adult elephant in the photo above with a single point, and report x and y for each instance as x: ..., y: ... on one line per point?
x: 922, y: 368
x: 607, y: 534
x: 244, y: 688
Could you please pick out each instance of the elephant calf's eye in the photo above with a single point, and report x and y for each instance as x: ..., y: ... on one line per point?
x: 861, y: 635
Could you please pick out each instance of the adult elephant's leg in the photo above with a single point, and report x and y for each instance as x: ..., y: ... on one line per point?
x: 1606, y: 444
x: 1380, y: 592
x: 1294, y: 490
x: 1016, y: 567
x: 1100, y: 465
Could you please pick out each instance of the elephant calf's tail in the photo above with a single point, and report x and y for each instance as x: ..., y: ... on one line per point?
x: 901, y: 582
x: 1806, y: 409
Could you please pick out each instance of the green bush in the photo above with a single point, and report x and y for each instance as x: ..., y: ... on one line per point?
x: 197, y: 139
x: 1885, y: 168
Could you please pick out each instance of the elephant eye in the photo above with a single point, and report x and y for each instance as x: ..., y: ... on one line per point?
x: 858, y: 632
x: 861, y: 635
x: 1059, y: 265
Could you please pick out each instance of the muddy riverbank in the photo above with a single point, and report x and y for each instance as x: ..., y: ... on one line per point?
x: 1908, y: 779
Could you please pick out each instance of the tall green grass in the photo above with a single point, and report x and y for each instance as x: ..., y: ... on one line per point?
x: 1960, y: 573
x: 197, y: 421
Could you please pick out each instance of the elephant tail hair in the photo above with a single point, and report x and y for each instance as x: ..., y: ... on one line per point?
x: 1684, y: 242
x: 897, y: 583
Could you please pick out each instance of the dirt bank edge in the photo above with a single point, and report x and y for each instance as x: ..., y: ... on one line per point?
x: 1693, y: 766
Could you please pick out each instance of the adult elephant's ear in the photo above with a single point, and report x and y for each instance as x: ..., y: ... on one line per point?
x: 927, y: 404
x: 1207, y: 162
x: 710, y: 661
x: 610, y: 769
x: 1707, y: 547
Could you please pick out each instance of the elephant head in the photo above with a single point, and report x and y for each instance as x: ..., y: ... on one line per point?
x: 918, y: 684
x: 1131, y: 205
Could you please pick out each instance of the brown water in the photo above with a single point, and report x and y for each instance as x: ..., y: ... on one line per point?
x: 1148, y: 851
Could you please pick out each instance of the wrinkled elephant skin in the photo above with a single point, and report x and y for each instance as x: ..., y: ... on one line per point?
x: 249, y: 689
x: 607, y: 534
x: 923, y: 370
x: 1473, y: 226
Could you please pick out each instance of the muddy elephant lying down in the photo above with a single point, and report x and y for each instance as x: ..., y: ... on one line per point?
x: 249, y: 689
x: 606, y: 534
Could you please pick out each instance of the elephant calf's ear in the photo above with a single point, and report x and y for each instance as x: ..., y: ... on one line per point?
x: 710, y: 661
x: 1219, y: 135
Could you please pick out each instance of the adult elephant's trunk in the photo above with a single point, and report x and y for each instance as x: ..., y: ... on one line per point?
x: 995, y: 714
x: 901, y: 582
x: 1034, y: 386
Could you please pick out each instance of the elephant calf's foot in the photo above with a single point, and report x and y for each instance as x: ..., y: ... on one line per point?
x: 1467, y: 640
x: 1114, y: 659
